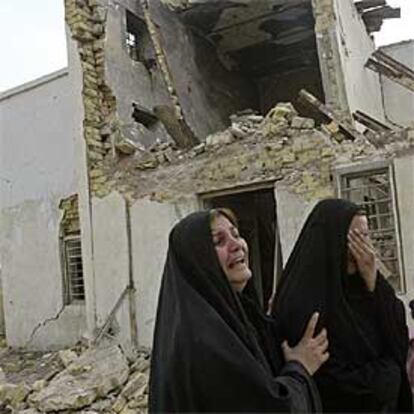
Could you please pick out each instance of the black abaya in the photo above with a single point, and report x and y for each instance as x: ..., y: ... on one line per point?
x: 211, y: 353
x: 367, y: 332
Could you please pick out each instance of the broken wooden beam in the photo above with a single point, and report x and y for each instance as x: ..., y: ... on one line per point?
x: 374, y: 12
x: 369, y: 4
x: 384, y: 64
x: 370, y: 122
x: 177, y: 128
x: 110, y: 318
x: 316, y: 105
x: 143, y: 115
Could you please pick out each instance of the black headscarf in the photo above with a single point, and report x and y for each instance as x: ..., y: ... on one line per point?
x: 368, y: 341
x: 207, y: 356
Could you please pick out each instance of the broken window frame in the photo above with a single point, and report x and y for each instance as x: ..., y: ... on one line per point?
x: 342, y: 174
x: 135, y: 29
x: 70, y: 295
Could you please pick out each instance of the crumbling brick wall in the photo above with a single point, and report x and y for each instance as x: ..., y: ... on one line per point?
x: 86, y: 21
x: 70, y: 221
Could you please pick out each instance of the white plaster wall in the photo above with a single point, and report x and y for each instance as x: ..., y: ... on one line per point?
x: 37, y: 170
x: 363, y: 86
x: 111, y: 262
x: 404, y: 178
x: 292, y: 212
x: 151, y: 223
x: 399, y: 101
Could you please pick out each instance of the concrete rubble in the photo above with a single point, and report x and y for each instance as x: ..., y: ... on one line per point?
x: 98, y: 380
x: 283, y: 146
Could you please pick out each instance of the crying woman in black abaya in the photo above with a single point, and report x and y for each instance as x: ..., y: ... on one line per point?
x: 214, y: 349
x: 333, y: 270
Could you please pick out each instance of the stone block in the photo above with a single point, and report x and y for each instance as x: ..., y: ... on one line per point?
x: 13, y: 394
x: 288, y: 157
x: 94, y: 374
x: 126, y: 146
x: 282, y: 110
x: 119, y: 404
x: 302, y: 123
x: 136, y: 385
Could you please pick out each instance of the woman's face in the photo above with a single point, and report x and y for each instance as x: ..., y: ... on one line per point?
x: 232, y: 252
x: 360, y: 223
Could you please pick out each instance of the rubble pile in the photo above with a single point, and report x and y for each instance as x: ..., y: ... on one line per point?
x: 281, y: 124
x: 281, y: 146
x: 99, y: 380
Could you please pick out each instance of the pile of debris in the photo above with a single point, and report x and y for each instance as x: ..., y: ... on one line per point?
x: 99, y: 380
x: 282, y: 122
x: 281, y: 146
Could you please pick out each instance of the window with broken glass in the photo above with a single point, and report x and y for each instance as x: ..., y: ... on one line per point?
x: 74, y: 286
x: 373, y: 190
x: 136, y: 38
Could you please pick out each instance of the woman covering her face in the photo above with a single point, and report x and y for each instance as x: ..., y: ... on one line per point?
x: 213, y: 349
x: 332, y: 270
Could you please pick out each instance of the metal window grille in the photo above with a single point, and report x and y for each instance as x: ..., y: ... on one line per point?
x: 373, y: 190
x: 75, y: 289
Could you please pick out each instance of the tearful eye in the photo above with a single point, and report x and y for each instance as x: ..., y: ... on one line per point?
x: 217, y: 241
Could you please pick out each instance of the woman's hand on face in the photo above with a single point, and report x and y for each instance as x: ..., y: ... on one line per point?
x: 311, y: 351
x: 364, y: 255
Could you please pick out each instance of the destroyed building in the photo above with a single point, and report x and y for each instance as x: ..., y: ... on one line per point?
x: 171, y: 106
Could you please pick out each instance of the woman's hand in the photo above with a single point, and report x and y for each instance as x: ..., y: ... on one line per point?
x: 310, y: 352
x: 364, y: 255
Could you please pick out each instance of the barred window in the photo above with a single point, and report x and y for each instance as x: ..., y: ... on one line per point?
x: 74, y: 285
x: 373, y: 189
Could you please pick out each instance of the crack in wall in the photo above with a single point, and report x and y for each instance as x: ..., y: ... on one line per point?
x: 43, y: 324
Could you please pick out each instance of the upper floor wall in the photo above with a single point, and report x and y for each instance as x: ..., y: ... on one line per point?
x: 399, y: 101
x: 355, y: 46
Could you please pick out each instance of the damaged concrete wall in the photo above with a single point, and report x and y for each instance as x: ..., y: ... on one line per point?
x: 208, y: 93
x: 37, y: 172
x: 363, y: 86
x: 399, y: 101
x: 133, y: 80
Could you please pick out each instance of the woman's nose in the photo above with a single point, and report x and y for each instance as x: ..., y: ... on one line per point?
x: 235, y: 243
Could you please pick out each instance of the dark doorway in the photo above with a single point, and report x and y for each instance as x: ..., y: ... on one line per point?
x: 256, y: 212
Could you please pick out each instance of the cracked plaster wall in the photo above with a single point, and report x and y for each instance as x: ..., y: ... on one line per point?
x: 398, y: 100
x: 37, y: 170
